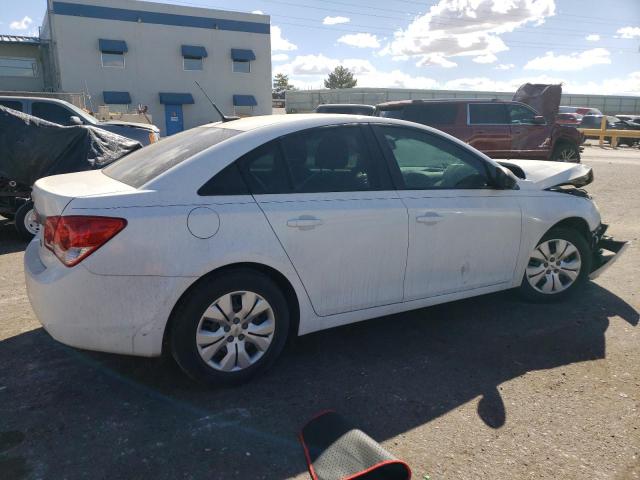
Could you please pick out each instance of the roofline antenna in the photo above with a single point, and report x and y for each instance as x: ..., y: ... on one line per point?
x: 222, y: 115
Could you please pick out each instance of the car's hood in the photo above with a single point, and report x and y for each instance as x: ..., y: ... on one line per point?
x: 131, y: 124
x: 542, y: 174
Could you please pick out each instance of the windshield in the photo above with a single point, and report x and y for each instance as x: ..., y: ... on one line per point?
x: 142, y: 166
x: 83, y: 114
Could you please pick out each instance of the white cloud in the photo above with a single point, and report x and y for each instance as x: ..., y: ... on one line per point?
x: 435, y: 59
x: 628, y: 32
x: 592, y: 38
x: 572, y: 62
x: 488, y: 58
x: 279, y: 57
x: 258, y: 12
x: 465, y: 27
x: 360, y: 40
x: 278, y: 42
x: 21, y: 24
x: 323, y: 65
x: 335, y: 20
x: 505, y: 66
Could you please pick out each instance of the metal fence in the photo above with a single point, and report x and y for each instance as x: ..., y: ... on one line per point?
x: 300, y: 101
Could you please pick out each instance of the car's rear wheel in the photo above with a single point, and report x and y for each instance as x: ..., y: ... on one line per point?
x: 26, y: 221
x: 558, y: 266
x: 566, y: 152
x: 230, y: 327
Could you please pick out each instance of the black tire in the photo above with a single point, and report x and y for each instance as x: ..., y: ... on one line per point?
x: 187, y: 315
x: 528, y: 292
x: 566, y: 152
x: 23, y: 220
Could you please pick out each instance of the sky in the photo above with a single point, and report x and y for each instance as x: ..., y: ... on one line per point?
x: 591, y: 46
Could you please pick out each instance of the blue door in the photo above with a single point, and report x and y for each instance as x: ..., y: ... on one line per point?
x: 173, y: 118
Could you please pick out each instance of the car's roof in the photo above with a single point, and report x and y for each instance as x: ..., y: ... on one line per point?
x: 399, y: 103
x: 20, y: 97
x: 337, y: 105
x: 303, y: 120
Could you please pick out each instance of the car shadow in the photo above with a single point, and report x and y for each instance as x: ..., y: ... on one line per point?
x: 10, y: 241
x: 92, y: 414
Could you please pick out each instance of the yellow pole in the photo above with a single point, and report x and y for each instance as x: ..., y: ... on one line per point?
x: 603, y: 127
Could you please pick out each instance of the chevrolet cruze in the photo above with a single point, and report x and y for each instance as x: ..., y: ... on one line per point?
x: 220, y: 242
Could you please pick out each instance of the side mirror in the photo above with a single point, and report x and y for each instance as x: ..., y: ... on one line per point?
x: 505, y: 180
x: 539, y: 120
x: 75, y: 120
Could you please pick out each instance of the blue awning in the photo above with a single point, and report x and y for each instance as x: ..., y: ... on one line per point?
x: 172, y: 98
x: 244, y: 101
x: 238, y: 55
x: 119, y: 98
x: 193, y: 51
x: 112, y: 46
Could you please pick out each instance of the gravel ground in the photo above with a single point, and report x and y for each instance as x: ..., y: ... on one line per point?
x: 483, y: 388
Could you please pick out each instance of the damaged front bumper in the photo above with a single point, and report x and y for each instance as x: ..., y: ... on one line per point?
x: 606, y: 251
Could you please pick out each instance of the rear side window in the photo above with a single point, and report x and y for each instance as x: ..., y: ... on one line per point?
x: 226, y: 182
x: 51, y: 112
x: 431, y: 114
x: 144, y: 165
x: 12, y: 104
x: 488, y: 114
x: 330, y: 159
x: 264, y: 170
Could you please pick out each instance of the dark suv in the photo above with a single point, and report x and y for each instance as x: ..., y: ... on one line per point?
x: 498, y: 128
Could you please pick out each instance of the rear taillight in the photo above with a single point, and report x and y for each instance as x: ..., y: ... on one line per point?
x: 73, y: 238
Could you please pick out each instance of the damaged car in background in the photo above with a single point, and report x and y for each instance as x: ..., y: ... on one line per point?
x: 32, y: 148
x: 219, y: 243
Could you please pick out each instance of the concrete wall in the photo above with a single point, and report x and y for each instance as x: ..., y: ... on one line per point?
x: 306, y: 100
x: 154, y: 61
x: 33, y: 84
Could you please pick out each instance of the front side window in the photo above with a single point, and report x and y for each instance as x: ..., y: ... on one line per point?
x: 51, y: 112
x: 432, y: 113
x: 115, y: 60
x: 330, y: 159
x: 18, y: 67
x: 488, y: 114
x: 241, y: 66
x: 429, y: 162
x: 519, y: 114
x: 192, y: 63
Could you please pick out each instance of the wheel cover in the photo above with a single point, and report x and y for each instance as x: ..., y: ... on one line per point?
x: 235, y: 331
x: 31, y: 222
x: 567, y: 154
x: 553, y: 266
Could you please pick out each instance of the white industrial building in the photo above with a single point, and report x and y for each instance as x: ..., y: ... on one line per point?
x: 128, y: 53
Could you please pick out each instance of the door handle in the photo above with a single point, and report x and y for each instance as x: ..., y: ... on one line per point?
x: 429, y: 218
x: 304, y: 222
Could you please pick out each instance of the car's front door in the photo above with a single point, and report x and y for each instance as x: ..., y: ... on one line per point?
x: 330, y: 202
x: 463, y: 234
x: 488, y: 129
x: 528, y: 139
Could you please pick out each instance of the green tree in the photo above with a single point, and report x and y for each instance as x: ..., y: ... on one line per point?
x: 341, y: 77
x: 280, y: 85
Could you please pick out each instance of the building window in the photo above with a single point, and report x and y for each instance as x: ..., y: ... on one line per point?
x: 18, y: 67
x: 240, y: 66
x: 192, y: 63
x: 115, y: 60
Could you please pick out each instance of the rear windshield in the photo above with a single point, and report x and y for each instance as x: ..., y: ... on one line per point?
x: 144, y: 165
x: 395, y: 113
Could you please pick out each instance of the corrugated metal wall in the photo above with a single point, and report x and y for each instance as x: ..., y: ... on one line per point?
x: 306, y: 100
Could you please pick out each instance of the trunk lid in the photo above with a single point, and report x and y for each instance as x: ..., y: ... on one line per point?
x: 51, y: 195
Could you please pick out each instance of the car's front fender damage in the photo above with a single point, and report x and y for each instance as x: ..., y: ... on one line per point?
x: 606, y: 251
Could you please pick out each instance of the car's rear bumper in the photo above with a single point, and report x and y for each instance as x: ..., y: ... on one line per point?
x: 606, y: 251
x: 108, y: 313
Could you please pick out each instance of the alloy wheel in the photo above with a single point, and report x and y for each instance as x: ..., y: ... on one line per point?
x: 553, y: 266
x: 235, y: 331
x: 567, y: 155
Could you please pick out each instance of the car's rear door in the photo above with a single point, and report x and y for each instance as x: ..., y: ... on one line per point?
x: 490, y: 130
x: 528, y: 139
x: 463, y: 234
x: 330, y: 202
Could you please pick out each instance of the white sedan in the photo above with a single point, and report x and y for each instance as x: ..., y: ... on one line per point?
x: 220, y: 242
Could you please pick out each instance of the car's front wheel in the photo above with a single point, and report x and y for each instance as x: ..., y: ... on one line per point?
x: 558, y: 265
x: 230, y: 327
